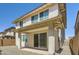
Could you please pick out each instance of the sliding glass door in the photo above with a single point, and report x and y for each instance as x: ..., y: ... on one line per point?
x: 35, y: 40
x: 43, y: 40
x: 40, y: 40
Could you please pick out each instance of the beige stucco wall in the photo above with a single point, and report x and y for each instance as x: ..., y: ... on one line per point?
x: 53, y: 11
x: 27, y: 22
x: 31, y: 40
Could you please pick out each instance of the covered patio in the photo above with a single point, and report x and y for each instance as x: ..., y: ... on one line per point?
x: 46, y: 33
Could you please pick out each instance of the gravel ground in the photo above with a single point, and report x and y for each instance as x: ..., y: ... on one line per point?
x: 12, y: 50
x: 66, y: 49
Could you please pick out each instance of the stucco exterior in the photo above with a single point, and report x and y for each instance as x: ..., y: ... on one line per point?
x: 53, y: 12
x: 53, y: 26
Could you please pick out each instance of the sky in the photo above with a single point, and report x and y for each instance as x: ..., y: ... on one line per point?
x: 72, y: 10
x: 10, y: 12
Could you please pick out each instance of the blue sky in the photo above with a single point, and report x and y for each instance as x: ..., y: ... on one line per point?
x: 10, y: 12
x: 72, y: 10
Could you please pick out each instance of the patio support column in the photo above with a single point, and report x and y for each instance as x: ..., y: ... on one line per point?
x: 57, y: 41
x: 51, y: 39
x: 18, y: 40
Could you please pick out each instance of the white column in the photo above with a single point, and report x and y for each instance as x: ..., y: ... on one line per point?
x: 18, y: 42
x: 51, y: 39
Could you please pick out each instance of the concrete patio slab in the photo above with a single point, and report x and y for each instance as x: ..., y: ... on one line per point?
x: 35, y: 51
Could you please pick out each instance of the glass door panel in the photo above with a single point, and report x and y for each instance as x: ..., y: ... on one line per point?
x: 40, y: 40
x: 43, y: 40
x: 35, y: 40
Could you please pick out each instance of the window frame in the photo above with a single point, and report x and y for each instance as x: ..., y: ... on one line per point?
x: 21, y: 24
x: 44, y: 15
x: 34, y: 19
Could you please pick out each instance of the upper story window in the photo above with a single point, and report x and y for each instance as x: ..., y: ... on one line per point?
x: 44, y: 15
x: 34, y: 19
x: 21, y: 24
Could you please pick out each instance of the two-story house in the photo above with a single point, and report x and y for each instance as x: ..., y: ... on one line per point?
x: 42, y: 28
x: 1, y: 35
x: 8, y: 33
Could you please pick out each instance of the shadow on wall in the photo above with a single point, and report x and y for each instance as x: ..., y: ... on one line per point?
x: 71, y: 50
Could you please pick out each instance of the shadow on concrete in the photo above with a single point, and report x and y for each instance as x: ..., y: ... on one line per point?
x: 0, y: 52
x: 59, y: 51
x: 71, y: 50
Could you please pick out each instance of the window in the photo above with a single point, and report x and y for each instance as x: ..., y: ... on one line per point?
x: 24, y: 38
x: 21, y: 24
x: 44, y: 15
x: 34, y: 19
